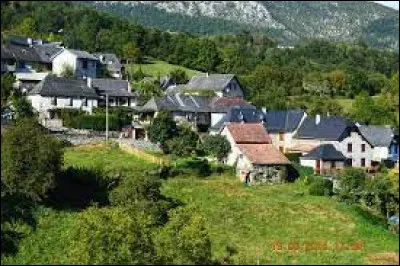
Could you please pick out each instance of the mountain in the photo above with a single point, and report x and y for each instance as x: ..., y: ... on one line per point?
x: 287, y: 21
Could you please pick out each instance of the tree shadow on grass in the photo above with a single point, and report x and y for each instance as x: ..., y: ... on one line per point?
x: 78, y: 188
x: 370, y: 217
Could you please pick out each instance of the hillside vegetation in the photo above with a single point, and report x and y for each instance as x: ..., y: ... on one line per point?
x: 245, y: 224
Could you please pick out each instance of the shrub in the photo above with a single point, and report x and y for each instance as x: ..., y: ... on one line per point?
x: 351, y: 183
x: 320, y: 186
x: 184, y: 144
x: 95, y: 122
x: 111, y: 236
x: 194, y: 166
x: 293, y: 157
x: 217, y: 146
x: 184, y: 239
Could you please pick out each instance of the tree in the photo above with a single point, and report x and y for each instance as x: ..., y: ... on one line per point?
x: 67, y: 71
x: 184, y: 239
x: 162, y: 128
x: 111, y: 236
x: 146, y: 90
x: 22, y: 107
x: 7, y: 82
x: 132, y: 52
x: 30, y: 160
x: 184, y: 144
x: 179, y: 76
x: 216, y: 146
x: 27, y: 27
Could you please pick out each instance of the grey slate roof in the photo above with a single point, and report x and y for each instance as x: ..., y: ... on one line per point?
x: 110, y: 60
x: 330, y: 128
x: 82, y: 54
x: 178, y: 102
x: 171, y: 90
x: 46, y: 51
x: 20, y: 53
x: 283, y: 120
x: 215, y: 82
x: 240, y: 114
x: 52, y: 86
x: 114, y: 87
x: 377, y: 136
x: 325, y: 152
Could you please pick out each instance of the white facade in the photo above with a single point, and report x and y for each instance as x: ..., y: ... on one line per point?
x: 235, y: 153
x: 80, y: 68
x: 44, y: 104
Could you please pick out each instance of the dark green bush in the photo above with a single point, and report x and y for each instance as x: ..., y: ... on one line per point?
x: 293, y: 157
x: 321, y: 187
x: 95, y: 122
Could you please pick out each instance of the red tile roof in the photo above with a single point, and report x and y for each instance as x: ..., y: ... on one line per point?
x: 264, y: 154
x: 249, y: 133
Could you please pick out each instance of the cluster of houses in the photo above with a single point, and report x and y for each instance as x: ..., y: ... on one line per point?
x: 212, y: 104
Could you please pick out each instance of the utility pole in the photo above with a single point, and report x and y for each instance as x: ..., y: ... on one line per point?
x: 106, y: 116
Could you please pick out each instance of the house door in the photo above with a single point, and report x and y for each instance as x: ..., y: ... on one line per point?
x: 318, y: 166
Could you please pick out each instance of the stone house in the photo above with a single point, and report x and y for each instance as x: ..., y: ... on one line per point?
x: 324, y: 159
x: 256, y: 159
x: 223, y: 85
x: 282, y: 125
x: 83, y: 64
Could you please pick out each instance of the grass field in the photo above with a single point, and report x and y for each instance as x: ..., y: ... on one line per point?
x: 250, y: 219
x: 155, y: 67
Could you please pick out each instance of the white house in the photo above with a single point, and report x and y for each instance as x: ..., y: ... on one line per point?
x: 384, y: 144
x: 223, y: 85
x: 119, y: 92
x: 56, y: 92
x: 338, y: 131
x: 82, y: 63
x: 282, y: 125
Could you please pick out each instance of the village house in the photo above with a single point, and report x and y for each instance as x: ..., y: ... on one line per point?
x: 119, y: 92
x: 256, y: 159
x: 384, y: 143
x: 57, y: 93
x: 237, y: 114
x: 282, y: 125
x: 111, y: 63
x: 325, y: 159
x: 82, y: 63
x: 223, y: 85
x: 338, y: 131
x: 29, y: 64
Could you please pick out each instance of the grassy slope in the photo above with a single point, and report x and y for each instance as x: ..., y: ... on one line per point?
x: 155, y: 68
x: 249, y: 218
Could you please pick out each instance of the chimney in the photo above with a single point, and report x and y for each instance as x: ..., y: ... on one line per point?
x: 317, y: 119
x: 264, y: 110
x: 29, y: 41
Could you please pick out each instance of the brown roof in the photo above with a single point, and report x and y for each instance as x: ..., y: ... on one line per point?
x: 263, y: 154
x: 306, y: 147
x: 249, y: 133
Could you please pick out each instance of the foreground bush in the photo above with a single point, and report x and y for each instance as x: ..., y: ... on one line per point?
x: 351, y: 183
x: 184, y: 239
x: 216, y: 146
x: 321, y: 187
x: 110, y: 236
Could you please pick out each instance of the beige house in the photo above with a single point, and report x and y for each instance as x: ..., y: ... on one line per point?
x: 252, y: 151
x: 282, y: 125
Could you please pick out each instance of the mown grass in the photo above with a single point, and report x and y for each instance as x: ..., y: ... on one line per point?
x: 249, y: 219
x: 155, y: 67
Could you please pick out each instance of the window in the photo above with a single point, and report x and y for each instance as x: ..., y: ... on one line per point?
x: 362, y: 147
x: 333, y: 165
x: 84, y: 102
x: 362, y: 162
x: 281, y: 136
x: 54, y: 101
x: 349, y: 147
x: 281, y: 149
x: 71, y: 102
x: 84, y: 64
